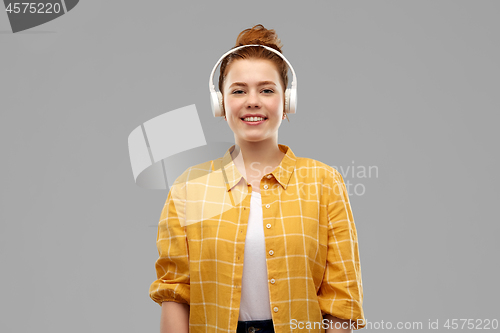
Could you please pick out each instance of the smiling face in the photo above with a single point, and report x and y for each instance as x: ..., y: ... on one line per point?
x: 253, y: 87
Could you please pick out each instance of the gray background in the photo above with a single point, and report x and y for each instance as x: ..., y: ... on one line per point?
x: 410, y: 87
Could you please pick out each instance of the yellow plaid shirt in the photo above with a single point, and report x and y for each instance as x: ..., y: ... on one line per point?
x: 312, y: 255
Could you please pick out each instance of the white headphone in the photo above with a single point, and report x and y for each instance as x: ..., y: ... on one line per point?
x: 216, y: 96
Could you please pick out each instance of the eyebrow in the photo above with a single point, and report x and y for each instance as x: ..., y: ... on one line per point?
x: 261, y: 83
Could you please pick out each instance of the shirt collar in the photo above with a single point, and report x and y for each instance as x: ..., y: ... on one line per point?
x: 282, y: 173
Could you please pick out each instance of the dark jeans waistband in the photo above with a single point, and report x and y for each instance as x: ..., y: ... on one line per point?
x: 259, y: 326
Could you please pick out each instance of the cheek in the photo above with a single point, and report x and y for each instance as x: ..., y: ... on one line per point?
x: 276, y: 103
x: 231, y: 103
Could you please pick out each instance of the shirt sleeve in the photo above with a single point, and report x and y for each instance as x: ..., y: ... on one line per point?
x: 341, y: 291
x: 172, y: 266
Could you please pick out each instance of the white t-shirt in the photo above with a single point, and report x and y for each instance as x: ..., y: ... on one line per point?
x: 255, y: 303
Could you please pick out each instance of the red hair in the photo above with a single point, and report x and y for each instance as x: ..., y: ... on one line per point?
x: 256, y: 35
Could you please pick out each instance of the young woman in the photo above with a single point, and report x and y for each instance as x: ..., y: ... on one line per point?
x: 259, y: 240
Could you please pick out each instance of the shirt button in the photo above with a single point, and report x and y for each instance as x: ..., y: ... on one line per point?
x: 275, y: 309
x: 272, y: 281
x: 268, y: 205
x: 266, y: 187
x: 268, y: 225
x: 268, y: 176
x: 271, y: 252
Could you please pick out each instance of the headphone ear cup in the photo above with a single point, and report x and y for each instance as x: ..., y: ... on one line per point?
x: 216, y: 99
x: 292, y: 100
x: 287, y: 100
x: 221, y: 103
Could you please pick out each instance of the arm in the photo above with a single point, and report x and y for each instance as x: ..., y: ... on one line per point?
x: 171, y: 289
x: 341, y: 292
x: 174, y: 317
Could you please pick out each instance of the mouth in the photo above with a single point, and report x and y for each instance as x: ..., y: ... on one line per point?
x: 253, y: 122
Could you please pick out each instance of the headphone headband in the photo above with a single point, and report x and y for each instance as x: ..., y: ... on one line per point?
x: 290, y: 93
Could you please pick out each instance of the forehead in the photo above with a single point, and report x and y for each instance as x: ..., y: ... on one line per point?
x: 252, y: 70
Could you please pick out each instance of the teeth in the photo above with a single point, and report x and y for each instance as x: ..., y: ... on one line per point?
x: 253, y: 119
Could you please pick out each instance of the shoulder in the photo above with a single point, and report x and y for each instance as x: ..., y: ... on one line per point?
x: 310, y: 166
x: 317, y: 173
x: 197, y: 171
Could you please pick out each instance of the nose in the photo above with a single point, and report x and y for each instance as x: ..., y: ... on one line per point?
x: 253, y: 100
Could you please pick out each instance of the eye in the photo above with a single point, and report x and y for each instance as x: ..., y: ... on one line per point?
x: 237, y: 92
x: 268, y: 91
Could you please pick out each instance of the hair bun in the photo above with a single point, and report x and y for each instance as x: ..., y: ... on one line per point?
x: 259, y: 35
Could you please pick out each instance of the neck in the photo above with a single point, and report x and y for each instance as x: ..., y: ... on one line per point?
x: 257, y: 155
